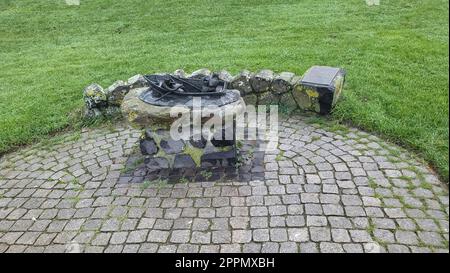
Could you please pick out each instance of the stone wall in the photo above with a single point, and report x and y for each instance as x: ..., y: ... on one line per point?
x: 317, y: 90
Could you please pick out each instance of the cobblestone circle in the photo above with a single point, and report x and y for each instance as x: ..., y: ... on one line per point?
x: 326, y: 189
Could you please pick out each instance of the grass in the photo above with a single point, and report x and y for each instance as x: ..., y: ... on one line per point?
x: 396, y: 56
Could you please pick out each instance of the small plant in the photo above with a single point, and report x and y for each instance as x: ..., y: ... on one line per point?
x: 279, y: 156
x: 161, y: 183
x: 184, y: 180
x: 131, y: 167
x: 145, y: 184
x: 206, y: 174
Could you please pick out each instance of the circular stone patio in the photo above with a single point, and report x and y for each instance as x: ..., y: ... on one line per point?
x: 327, y: 189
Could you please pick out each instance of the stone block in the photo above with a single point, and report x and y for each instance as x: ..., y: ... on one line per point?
x: 283, y: 83
x: 137, y: 81
x: 319, y: 89
x: 116, y: 92
x: 262, y: 81
x: 241, y: 82
x: 94, y: 96
x: 200, y: 73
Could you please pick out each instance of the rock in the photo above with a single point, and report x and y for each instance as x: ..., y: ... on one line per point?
x: 180, y: 73
x: 269, y: 98
x: 198, y: 74
x: 306, y: 99
x: 137, y: 81
x: 92, y: 113
x: 225, y: 76
x: 183, y: 161
x: 251, y: 99
x: 116, y: 92
x: 241, y: 82
x: 323, y: 85
x: 283, y: 83
x: 287, y: 104
x: 262, y: 81
x: 217, y: 159
x: 94, y: 96
x: 199, y: 143
x: 148, y: 147
x: 144, y: 115
x: 157, y: 163
x: 111, y: 111
x: 171, y: 146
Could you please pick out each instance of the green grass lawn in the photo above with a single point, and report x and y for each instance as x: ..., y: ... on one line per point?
x: 396, y: 55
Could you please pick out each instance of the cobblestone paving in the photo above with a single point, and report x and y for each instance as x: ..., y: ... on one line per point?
x: 325, y: 190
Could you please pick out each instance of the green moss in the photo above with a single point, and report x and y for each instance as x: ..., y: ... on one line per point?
x: 427, y: 186
x: 195, y: 153
x: 280, y: 156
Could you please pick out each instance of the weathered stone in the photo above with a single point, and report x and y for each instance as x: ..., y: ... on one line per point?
x: 262, y: 81
x: 319, y: 88
x: 92, y: 113
x: 241, y: 82
x: 157, y: 163
x: 183, y: 161
x: 198, y: 74
x: 287, y: 103
x: 269, y: 98
x: 137, y: 81
x: 116, y: 92
x: 180, y: 73
x: 306, y: 99
x: 251, y: 99
x: 171, y: 146
x: 225, y: 76
x: 94, y: 96
x: 144, y: 115
x: 111, y: 111
x: 282, y: 83
x: 148, y: 147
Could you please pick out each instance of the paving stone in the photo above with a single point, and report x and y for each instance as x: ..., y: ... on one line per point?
x: 353, y: 248
x: 320, y: 234
x: 406, y: 237
x: 384, y: 236
x: 221, y: 237
x: 261, y: 235
x: 199, y: 237
x: 158, y: 236
x: 431, y: 238
x: 360, y: 236
x: 340, y: 235
x: 326, y: 247
x: 308, y: 248
x: 180, y: 236
x: 317, y: 221
x: 241, y: 236
x: 270, y: 247
x: 323, y: 195
x: 398, y: 249
x: 230, y: 248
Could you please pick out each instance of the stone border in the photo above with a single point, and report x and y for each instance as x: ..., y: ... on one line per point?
x: 264, y: 87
